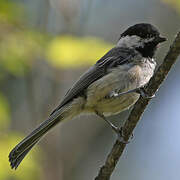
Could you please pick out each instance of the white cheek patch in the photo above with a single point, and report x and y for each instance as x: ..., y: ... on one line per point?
x: 144, y: 41
x: 129, y: 41
x: 133, y: 41
x: 148, y: 40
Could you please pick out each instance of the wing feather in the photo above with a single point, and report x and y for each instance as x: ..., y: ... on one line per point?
x: 116, y: 56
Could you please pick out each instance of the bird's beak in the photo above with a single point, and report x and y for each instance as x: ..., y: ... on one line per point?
x: 161, y: 39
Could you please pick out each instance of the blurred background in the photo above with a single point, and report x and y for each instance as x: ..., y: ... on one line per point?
x: 44, y: 47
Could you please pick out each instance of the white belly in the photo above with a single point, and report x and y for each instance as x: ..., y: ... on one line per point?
x: 121, y: 79
x: 116, y: 105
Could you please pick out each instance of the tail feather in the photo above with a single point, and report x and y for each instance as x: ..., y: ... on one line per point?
x: 14, y: 162
x: 21, y: 150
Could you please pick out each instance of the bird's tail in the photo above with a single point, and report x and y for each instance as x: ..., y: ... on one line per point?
x: 21, y: 150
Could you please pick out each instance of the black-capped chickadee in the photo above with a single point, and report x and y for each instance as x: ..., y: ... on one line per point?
x: 109, y: 87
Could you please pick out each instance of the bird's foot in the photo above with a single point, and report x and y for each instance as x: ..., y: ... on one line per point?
x: 143, y: 93
x: 120, y: 133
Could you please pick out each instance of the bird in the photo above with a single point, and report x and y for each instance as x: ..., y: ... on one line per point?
x: 112, y: 85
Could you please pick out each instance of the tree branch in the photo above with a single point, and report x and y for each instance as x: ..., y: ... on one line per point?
x: 135, y: 115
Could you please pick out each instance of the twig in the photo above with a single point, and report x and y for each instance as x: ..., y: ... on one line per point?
x: 135, y: 115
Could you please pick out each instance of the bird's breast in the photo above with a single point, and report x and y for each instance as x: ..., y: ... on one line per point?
x: 118, y: 80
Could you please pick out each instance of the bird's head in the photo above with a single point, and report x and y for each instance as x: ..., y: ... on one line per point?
x: 143, y: 37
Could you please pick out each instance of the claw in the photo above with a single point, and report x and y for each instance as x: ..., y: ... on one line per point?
x: 144, y: 94
x: 120, y: 134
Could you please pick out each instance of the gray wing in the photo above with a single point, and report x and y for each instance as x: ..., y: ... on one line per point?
x: 116, y: 56
x: 80, y: 86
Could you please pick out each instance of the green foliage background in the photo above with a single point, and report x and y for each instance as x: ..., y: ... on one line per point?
x: 20, y: 48
x: 45, y: 45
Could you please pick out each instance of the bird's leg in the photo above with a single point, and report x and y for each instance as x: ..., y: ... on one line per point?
x: 140, y: 91
x: 117, y: 130
x: 117, y: 94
